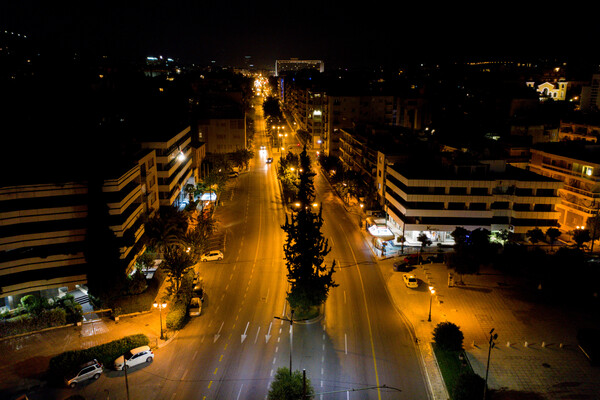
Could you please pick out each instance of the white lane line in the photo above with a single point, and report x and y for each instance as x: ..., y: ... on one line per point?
x: 240, y: 392
x: 196, y: 353
x: 257, y: 332
x: 184, y: 375
x: 344, y: 297
x: 346, y: 343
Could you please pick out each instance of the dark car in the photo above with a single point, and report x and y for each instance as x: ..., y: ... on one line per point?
x: 436, y: 258
x: 402, y: 266
x: 415, y: 259
x: 269, y: 160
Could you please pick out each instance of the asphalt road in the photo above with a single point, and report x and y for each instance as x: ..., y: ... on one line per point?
x: 234, y: 348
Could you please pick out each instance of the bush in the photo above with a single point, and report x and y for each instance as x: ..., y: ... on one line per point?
x: 177, y: 315
x: 448, y: 336
x: 73, y: 310
x: 469, y: 386
x: 105, y: 353
x: 29, y: 323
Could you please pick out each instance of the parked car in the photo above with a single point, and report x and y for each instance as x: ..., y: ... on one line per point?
x: 90, y: 370
x: 435, y: 258
x: 134, y: 357
x: 195, y: 308
x: 198, y: 291
x: 414, y: 259
x: 269, y: 160
x: 212, y: 256
x: 234, y: 174
x: 410, y: 281
x: 402, y: 266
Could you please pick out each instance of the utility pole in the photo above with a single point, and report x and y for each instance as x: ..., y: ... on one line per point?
x: 291, y: 320
x: 493, y: 336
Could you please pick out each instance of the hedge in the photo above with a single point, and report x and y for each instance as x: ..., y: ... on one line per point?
x: 106, y: 353
x: 178, y: 315
x: 30, y: 322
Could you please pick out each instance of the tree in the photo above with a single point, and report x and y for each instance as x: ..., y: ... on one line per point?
x: 552, y: 234
x: 305, y: 248
x: 425, y: 241
x: 166, y: 228
x: 448, y: 336
x: 288, y: 386
x: 469, y: 386
x: 176, y: 263
x: 271, y: 108
x: 241, y: 157
x: 535, y: 235
x: 592, y: 224
x: 459, y: 234
x: 106, y: 276
x: 580, y: 236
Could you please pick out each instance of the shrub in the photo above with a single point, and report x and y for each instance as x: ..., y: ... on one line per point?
x: 29, y: 323
x: 136, y: 283
x: 469, y: 386
x: 448, y: 336
x: 177, y: 315
x: 32, y: 303
x: 105, y: 353
x: 73, y: 309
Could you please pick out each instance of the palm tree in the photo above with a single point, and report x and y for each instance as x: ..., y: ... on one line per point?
x: 166, y: 228
x: 553, y: 234
x: 176, y: 263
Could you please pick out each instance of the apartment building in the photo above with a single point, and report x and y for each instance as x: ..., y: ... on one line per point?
x: 435, y: 198
x: 173, y: 163
x: 43, y: 228
x: 347, y: 111
x: 223, y: 132
x: 577, y: 166
x: 579, y: 130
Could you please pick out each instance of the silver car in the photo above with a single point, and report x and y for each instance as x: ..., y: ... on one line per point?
x: 89, y: 370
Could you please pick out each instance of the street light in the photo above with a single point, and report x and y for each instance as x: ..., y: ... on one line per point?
x: 160, y: 306
x: 291, y: 335
x: 493, y: 336
x: 432, y: 291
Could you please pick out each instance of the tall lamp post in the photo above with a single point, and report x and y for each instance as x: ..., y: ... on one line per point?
x: 432, y: 291
x: 160, y: 306
x: 493, y: 336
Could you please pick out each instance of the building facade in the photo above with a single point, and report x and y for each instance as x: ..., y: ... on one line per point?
x: 577, y: 165
x: 44, y: 229
x: 173, y: 165
x: 490, y: 196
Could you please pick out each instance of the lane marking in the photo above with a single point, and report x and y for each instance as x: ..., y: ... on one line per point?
x: 346, y: 343
x: 210, y: 384
x: 362, y: 284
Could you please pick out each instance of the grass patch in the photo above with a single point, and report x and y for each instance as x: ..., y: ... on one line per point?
x: 451, y: 366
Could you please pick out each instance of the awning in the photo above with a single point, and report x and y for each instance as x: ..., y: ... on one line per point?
x: 381, y: 232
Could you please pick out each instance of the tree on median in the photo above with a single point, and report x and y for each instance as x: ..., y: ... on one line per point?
x: 305, y: 248
x: 288, y: 386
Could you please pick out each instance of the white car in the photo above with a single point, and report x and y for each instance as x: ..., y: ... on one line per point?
x: 212, y: 256
x: 410, y: 281
x: 134, y: 357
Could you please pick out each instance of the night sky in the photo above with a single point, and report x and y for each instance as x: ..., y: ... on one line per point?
x: 341, y: 34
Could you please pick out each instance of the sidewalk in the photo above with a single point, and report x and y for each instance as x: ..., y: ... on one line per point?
x: 536, y: 350
x: 25, y: 359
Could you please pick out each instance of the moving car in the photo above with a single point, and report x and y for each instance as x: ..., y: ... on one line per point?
x: 134, y: 357
x: 269, y: 160
x: 410, y: 281
x: 262, y: 147
x: 212, y: 256
x: 89, y: 370
x: 195, y: 307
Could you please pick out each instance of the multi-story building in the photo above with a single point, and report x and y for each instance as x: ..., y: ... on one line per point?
x: 590, y: 95
x: 347, y: 111
x: 294, y: 65
x: 223, y: 132
x: 44, y: 228
x: 173, y: 164
x: 435, y: 198
x: 307, y: 104
x: 577, y: 165
x: 576, y: 130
